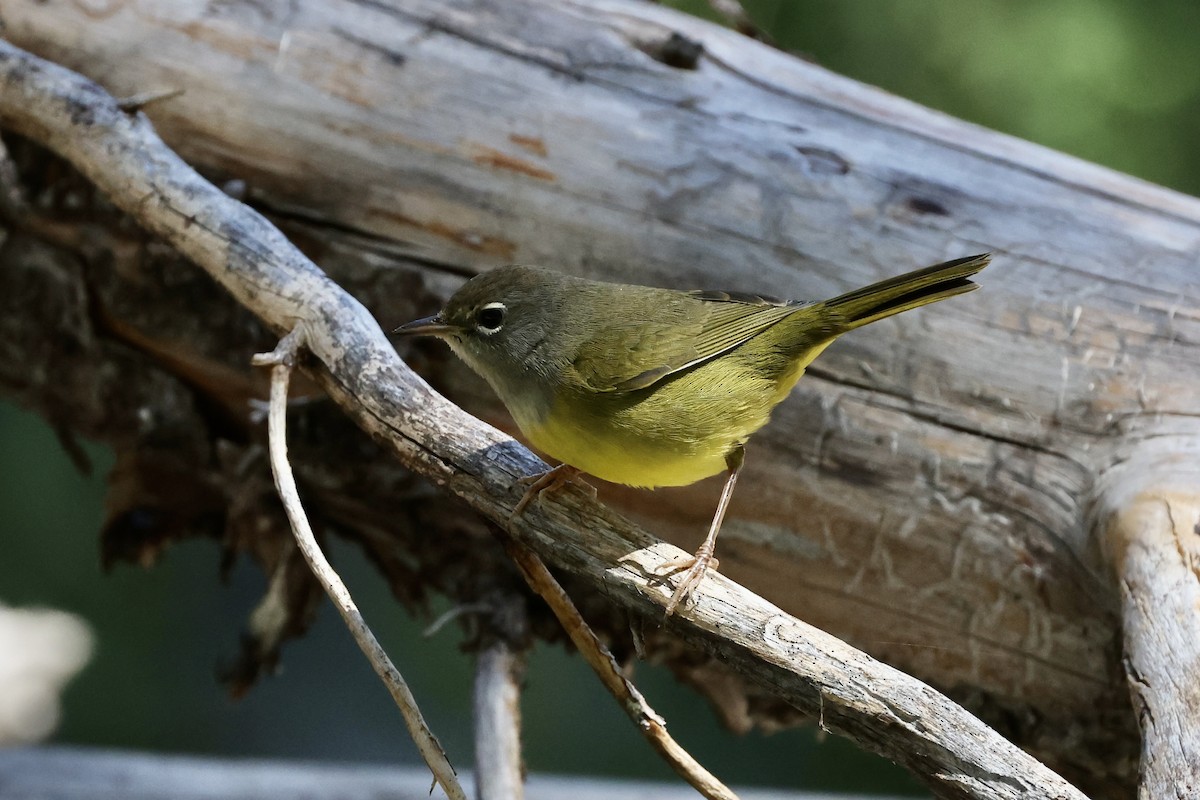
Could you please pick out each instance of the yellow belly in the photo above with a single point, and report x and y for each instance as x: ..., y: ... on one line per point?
x: 674, y: 433
x: 613, y: 455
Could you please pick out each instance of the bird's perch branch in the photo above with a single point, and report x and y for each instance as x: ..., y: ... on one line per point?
x: 880, y: 707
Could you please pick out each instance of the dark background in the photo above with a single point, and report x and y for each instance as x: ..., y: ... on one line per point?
x: 1112, y: 81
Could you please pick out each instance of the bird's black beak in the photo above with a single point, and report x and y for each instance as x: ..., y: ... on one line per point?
x: 427, y: 326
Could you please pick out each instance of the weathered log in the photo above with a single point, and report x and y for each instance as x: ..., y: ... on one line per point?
x: 924, y: 493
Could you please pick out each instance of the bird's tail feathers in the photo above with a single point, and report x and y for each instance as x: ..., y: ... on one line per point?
x: 911, y: 290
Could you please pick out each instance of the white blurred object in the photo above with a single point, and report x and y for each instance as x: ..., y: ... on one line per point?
x: 40, y: 651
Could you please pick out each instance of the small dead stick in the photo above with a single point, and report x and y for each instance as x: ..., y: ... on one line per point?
x: 282, y: 360
x: 499, y: 668
x: 652, y: 726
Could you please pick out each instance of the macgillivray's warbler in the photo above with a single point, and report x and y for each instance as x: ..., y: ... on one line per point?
x: 654, y: 387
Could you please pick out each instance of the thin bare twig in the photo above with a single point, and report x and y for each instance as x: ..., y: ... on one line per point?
x: 282, y: 361
x: 451, y: 614
x: 652, y: 726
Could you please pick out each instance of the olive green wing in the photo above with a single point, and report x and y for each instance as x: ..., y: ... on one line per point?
x: 641, y: 349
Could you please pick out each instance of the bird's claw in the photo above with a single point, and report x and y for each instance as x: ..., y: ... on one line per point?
x: 549, y: 481
x: 696, y: 567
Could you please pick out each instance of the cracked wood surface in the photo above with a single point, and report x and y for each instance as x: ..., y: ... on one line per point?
x: 923, y: 493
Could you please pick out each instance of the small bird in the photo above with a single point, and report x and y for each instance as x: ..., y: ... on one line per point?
x: 654, y: 387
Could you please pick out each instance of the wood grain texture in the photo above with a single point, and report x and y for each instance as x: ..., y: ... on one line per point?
x: 924, y: 492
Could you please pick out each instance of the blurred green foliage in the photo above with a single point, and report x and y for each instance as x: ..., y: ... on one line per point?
x: 1112, y: 81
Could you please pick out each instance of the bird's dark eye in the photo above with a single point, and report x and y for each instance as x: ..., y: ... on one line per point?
x: 489, y: 318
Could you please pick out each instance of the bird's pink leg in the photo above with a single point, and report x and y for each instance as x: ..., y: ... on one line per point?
x: 698, y: 564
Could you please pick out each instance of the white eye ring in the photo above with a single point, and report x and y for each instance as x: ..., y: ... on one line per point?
x: 490, y: 323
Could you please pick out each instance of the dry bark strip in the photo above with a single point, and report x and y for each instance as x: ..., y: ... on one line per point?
x: 880, y: 707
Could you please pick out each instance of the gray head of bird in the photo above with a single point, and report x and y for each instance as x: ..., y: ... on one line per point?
x: 508, y: 320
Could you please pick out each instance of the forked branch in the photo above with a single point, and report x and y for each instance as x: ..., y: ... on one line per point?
x: 282, y: 361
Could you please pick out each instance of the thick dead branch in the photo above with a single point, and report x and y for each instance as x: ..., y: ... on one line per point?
x: 879, y: 707
x: 921, y: 492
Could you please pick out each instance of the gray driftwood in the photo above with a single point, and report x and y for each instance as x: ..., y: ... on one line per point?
x: 949, y: 490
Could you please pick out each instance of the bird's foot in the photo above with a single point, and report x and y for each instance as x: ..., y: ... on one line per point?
x: 696, y: 566
x: 549, y: 481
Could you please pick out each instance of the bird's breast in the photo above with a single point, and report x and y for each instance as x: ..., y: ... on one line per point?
x: 619, y: 454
